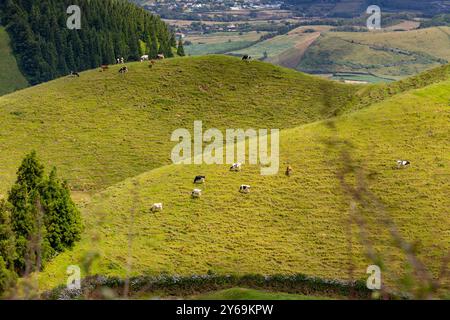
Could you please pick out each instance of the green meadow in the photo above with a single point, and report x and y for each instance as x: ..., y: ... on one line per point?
x: 109, y: 135
x: 11, y: 79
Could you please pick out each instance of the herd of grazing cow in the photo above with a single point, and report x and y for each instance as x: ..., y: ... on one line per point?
x: 124, y: 69
x: 197, y: 193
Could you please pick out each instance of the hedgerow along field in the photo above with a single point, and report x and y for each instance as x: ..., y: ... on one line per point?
x: 285, y: 225
x: 11, y: 79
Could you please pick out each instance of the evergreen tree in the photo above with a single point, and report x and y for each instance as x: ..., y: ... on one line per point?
x: 7, y: 248
x: 27, y: 228
x: 44, y: 219
x: 7, y: 277
x: 180, y: 49
x: 30, y: 172
x: 173, y: 40
x: 62, y: 218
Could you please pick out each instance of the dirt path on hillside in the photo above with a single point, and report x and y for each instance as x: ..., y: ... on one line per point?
x: 291, y: 58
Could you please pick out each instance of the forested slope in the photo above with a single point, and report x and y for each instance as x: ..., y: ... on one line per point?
x: 46, y: 48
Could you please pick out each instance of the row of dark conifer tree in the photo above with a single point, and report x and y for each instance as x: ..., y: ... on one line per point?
x: 45, y: 48
x: 38, y: 220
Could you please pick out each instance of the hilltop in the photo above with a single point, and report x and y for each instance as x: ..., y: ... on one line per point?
x: 382, y: 56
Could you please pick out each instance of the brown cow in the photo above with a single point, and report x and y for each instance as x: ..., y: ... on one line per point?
x: 289, y: 171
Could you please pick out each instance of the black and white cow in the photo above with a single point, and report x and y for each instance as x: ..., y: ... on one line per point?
x: 236, y: 167
x: 246, y: 57
x: 196, y: 193
x: 157, y: 207
x: 123, y: 70
x: 74, y: 74
x: 244, y: 188
x: 199, y: 179
x: 402, y: 163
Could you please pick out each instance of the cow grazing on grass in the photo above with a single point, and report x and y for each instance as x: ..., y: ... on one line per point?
x: 289, y: 171
x: 236, y: 167
x: 402, y: 164
x: 160, y: 56
x: 246, y: 58
x: 196, y: 193
x: 199, y: 179
x: 123, y: 70
x: 157, y: 207
x: 74, y: 74
x: 104, y: 67
x: 244, y: 188
x: 144, y: 58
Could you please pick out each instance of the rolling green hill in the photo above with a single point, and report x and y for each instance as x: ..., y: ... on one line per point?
x: 103, y: 127
x: 109, y: 135
x: 386, y: 54
x: 11, y: 79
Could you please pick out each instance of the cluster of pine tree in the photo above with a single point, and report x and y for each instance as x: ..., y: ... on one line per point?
x: 46, y: 49
x: 38, y: 221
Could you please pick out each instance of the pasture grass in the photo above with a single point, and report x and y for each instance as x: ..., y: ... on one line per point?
x: 276, y: 46
x: 286, y: 225
x: 11, y: 79
x: 104, y: 127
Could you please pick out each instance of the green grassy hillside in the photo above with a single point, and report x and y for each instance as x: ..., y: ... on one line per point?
x: 386, y: 54
x: 109, y: 134
x: 11, y: 79
x: 104, y: 127
x: 285, y: 225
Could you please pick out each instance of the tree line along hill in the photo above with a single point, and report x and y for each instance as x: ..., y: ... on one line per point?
x: 46, y: 49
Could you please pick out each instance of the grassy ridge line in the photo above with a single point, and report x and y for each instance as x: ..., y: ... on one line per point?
x: 104, y: 127
x: 286, y: 225
x: 11, y: 79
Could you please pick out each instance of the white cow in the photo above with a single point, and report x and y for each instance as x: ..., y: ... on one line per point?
x: 236, y: 167
x: 144, y: 57
x: 244, y: 188
x: 402, y: 163
x: 196, y: 193
x: 157, y: 207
